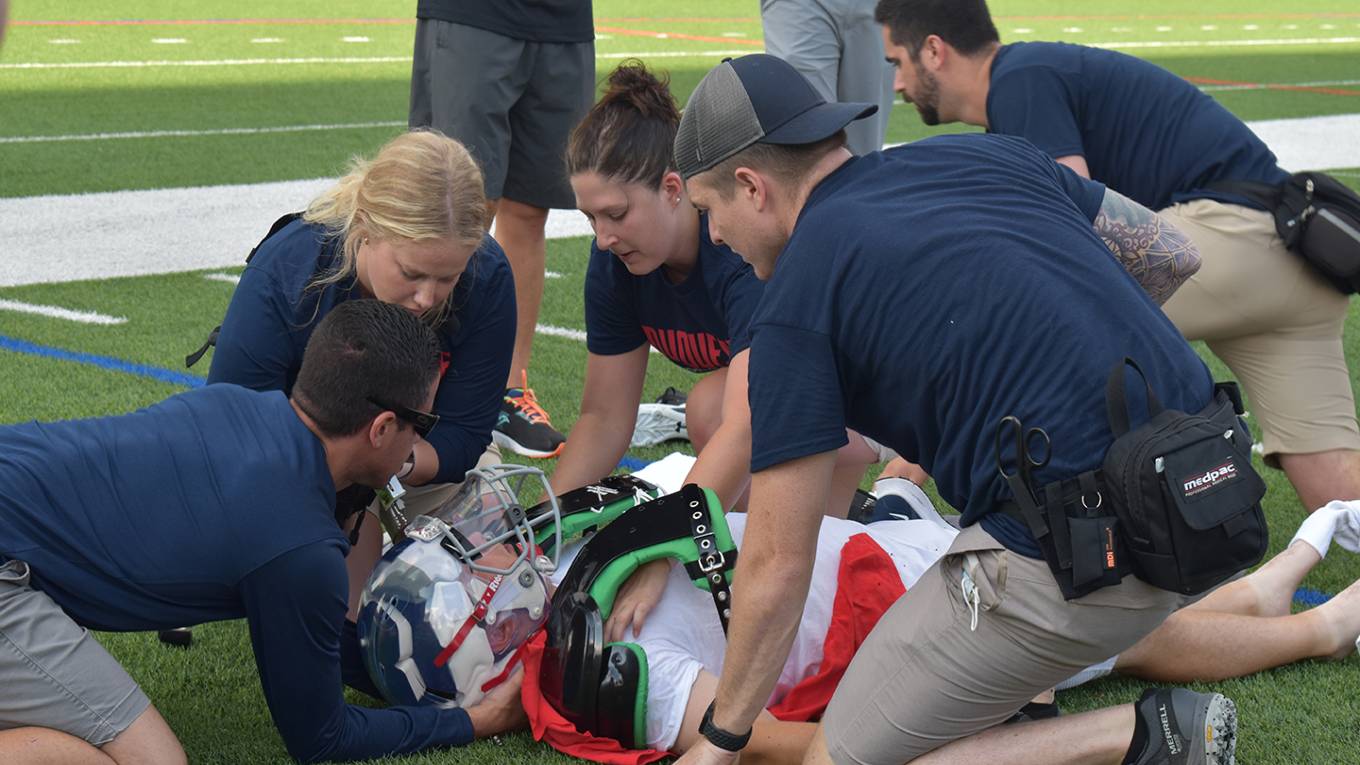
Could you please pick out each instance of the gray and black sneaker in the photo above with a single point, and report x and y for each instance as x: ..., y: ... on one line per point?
x: 524, y: 428
x: 662, y: 421
x: 1176, y: 726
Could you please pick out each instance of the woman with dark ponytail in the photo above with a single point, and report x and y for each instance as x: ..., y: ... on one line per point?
x: 656, y: 280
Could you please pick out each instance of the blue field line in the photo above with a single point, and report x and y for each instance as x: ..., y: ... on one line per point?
x: 1306, y: 596
x: 103, y: 362
x: 633, y: 464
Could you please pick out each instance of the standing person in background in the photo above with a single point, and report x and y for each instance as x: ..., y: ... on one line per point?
x: 1157, y: 139
x: 407, y: 228
x: 510, y: 79
x: 836, y: 45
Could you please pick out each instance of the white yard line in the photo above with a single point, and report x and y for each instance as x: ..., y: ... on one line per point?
x: 196, y: 133
x: 312, y: 60
x: 129, y: 233
x: 57, y: 312
x: 542, y: 329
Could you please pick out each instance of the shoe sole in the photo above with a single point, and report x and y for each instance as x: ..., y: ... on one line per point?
x: 658, y: 423
x: 506, y: 442
x: 1220, y: 731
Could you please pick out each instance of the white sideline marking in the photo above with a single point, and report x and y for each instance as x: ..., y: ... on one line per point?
x: 192, y: 133
x: 733, y: 34
x: 266, y: 40
x: 63, y: 41
x: 570, y: 334
x: 551, y: 275
x: 125, y: 233
x: 325, y: 60
x: 169, y: 40
x: 354, y: 39
x: 1022, y: 30
x: 1072, y: 30
x: 227, y: 278
x: 1269, y: 85
x: 56, y: 312
x: 1137, y: 44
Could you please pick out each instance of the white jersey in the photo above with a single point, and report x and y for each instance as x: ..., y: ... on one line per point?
x: 682, y: 635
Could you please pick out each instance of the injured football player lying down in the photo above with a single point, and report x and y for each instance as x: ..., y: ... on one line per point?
x: 1243, y: 627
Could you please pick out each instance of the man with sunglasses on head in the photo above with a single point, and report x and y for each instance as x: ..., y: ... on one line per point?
x: 217, y: 503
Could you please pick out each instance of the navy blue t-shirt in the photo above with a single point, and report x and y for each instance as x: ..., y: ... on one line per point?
x: 274, y: 310
x: 552, y: 21
x: 700, y: 323
x: 1144, y: 132
x: 932, y: 289
x: 213, y: 504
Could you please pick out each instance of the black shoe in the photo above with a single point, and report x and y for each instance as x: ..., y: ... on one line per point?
x: 672, y: 397
x: 524, y: 428
x: 1176, y: 726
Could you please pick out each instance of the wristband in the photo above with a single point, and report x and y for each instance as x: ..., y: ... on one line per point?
x: 718, y: 737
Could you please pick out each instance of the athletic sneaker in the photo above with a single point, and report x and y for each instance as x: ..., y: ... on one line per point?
x: 1176, y: 726
x: 523, y: 427
x: 662, y: 421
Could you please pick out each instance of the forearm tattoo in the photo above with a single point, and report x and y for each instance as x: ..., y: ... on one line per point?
x: 1156, y: 253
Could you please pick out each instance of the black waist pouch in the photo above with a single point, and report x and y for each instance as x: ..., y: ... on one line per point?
x: 1317, y: 217
x: 1184, y: 490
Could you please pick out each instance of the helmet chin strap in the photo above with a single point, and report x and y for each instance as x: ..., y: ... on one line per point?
x: 478, y: 613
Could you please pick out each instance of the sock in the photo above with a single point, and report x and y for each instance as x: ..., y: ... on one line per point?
x: 1347, y: 523
x: 1319, y: 527
x: 1140, y: 734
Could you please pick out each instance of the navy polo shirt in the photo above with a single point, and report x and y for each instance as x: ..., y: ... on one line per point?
x: 1143, y: 131
x: 699, y: 323
x: 932, y: 289
x: 275, y: 308
x: 213, y: 504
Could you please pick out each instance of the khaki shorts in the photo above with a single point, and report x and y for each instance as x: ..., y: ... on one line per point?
x: 53, y: 674
x: 924, y: 677
x: 423, y: 500
x: 1273, y: 321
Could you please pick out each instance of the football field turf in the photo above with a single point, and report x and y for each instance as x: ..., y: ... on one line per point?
x: 98, y: 96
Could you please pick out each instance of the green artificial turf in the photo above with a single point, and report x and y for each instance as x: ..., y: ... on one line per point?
x: 355, y: 93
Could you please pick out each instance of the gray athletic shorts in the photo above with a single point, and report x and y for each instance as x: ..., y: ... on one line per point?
x: 53, y: 674
x: 512, y: 103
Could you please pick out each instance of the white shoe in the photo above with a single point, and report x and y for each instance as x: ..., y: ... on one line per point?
x: 657, y: 423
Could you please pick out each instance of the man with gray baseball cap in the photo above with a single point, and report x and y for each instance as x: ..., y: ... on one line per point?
x: 932, y: 289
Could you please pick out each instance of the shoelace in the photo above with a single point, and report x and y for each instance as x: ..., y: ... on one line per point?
x: 527, y: 404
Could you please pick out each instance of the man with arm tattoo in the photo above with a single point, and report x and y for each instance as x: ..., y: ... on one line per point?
x: 1162, y: 143
x: 1157, y: 254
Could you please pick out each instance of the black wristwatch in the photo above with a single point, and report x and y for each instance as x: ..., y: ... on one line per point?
x: 719, y: 737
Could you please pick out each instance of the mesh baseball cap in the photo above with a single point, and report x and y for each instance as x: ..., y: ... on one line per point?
x: 754, y: 99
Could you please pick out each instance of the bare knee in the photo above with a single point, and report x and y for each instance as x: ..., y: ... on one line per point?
x: 1320, y: 477
x: 147, y: 741
x: 703, y: 408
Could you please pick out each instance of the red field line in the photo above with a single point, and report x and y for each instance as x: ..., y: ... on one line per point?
x: 1181, y: 16
x: 1273, y: 86
x: 677, y: 19
x: 675, y: 36
x: 205, y: 22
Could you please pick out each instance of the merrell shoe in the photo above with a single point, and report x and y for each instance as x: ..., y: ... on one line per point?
x: 1180, y: 727
x: 524, y: 428
x: 662, y: 421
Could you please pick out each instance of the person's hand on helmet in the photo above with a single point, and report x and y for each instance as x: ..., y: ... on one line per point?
x: 500, y: 710
x: 636, y: 599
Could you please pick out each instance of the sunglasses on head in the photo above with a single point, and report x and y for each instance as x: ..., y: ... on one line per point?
x: 423, y: 422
